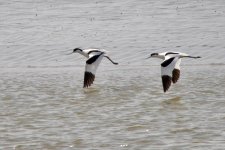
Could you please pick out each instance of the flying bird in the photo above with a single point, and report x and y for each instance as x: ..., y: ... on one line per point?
x: 170, y: 67
x: 94, y: 58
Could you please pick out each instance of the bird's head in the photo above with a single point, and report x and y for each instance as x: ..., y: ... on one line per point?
x: 77, y: 50
x: 153, y: 55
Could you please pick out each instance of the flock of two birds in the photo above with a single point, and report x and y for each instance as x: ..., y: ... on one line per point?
x: 170, y: 67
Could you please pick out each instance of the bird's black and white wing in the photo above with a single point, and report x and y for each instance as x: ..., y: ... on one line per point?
x: 170, y: 72
x: 176, y: 71
x: 90, y: 69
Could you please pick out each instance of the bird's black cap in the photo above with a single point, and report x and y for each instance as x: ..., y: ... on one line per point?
x: 154, y: 54
x: 77, y: 49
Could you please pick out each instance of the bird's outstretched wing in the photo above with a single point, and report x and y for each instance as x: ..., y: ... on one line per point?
x: 170, y: 71
x: 90, y: 69
x: 176, y: 71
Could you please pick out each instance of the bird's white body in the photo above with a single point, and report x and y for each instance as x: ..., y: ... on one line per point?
x: 170, y: 67
x: 95, y: 57
x: 87, y: 54
x: 167, y: 55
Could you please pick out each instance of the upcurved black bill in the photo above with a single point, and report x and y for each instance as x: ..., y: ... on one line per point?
x: 69, y: 53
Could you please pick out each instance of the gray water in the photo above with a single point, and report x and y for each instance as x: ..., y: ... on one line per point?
x: 43, y: 104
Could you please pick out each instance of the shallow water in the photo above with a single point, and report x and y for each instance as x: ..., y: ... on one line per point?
x: 43, y: 104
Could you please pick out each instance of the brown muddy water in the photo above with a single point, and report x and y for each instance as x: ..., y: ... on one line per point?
x: 43, y: 104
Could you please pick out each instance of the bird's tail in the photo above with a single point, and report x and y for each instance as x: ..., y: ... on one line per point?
x: 105, y: 51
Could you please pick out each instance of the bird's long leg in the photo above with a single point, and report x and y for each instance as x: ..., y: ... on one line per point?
x: 193, y: 56
x: 115, y: 63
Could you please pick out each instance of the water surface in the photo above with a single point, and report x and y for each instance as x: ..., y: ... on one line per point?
x: 43, y: 104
